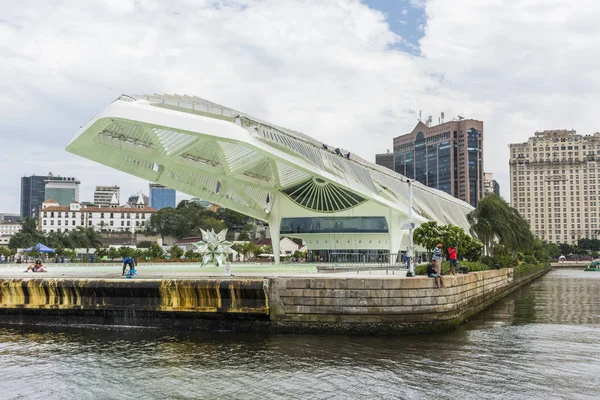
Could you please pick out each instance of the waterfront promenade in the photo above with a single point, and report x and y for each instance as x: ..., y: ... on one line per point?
x: 186, y: 271
x: 290, y: 298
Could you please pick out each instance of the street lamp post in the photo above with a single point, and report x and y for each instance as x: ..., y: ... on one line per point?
x: 410, y: 250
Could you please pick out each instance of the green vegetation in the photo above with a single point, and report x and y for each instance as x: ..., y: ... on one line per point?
x: 494, y: 221
x: 430, y: 234
x: 187, y: 219
x: 82, y: 238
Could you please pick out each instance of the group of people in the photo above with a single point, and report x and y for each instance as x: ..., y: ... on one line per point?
x: 434, y: 268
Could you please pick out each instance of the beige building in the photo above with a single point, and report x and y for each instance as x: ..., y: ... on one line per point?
x: 554, y: 182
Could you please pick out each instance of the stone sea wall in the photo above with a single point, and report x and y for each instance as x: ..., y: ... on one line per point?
x: 353, y: 305
x: 383, y: 305
x: 224, y: 296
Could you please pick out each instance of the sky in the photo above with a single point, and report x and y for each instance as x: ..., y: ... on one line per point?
x: 349, y: 71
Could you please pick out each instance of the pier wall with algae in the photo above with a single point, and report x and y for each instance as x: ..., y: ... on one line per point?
x: 353, y: 305
x: 147, y: 298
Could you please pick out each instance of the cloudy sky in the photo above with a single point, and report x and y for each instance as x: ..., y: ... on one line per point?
x: 349, y: 71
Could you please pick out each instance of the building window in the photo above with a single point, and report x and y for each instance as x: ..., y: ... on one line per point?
x: 128, y: 223
x: 44, y: 222
x: 111, y: 223
x: 59, y: 214
x: 112, y: 215
x: 52, y: 214
x: 66, y: 222
x: 73, y: 223
x: 122, y: 223
x: 45, y: 214
x: 101, y: 215
x: 51, y: 222
x: 58, y: 222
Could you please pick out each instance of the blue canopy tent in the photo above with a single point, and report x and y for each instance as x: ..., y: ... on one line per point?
x: 39, y: 247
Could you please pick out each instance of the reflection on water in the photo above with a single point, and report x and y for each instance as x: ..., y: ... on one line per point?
x: 538, y: 343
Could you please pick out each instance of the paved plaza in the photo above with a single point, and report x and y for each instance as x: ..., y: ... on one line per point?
x: 174, y: 271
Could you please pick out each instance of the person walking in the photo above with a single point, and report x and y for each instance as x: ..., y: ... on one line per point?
x: 452, y: 257
x: 437, y: 258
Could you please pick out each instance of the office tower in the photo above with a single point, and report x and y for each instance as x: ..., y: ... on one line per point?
x: 488, y: 183
x: 496, y: 188
x: 161, y: 196
x: 63, y: 189
x: 104, y: 194
x: 385, y: 160
x: 32, y: 195
x: 554, y: 184
x: 448, y: 156
x: 133, y: 200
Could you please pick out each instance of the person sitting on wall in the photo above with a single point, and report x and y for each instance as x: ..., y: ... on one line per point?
x: 431, y: 272
x: 129, y: 262
x: 37, y: 267
x: 338, y: 151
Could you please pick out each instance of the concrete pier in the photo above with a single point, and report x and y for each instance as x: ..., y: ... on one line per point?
x: 336, y: 303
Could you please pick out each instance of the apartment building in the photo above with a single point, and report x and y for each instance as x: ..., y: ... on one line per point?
x: 555, y: 182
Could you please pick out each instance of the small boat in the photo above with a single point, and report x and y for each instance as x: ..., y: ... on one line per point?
x: 594, y: 266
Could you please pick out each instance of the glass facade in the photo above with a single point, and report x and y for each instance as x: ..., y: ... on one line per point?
x: 445, y: 166
x: 334, y: 225
x: 420, y: 159
x: 32, y: 195
x: 475, y: 167
x: 162, y: 197
x: 349, y: 256
x: 432, y: 166
x: 64, y: 196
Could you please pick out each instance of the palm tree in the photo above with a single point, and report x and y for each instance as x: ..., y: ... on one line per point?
x: 494, y: 220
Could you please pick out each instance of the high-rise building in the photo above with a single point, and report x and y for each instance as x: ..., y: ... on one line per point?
x: 134, y: 200
x: 104, y: 194
x: 385, y: 160
x: 161, y: 196
x: 32, y: 195
x: 448, y: 157
x: 64, y: 190
x: 496, y: 188
x: 488, y: 183
x: 554, y: 184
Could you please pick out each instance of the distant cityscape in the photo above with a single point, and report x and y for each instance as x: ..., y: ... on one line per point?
x: 54, y: 201
x: 554, y: 183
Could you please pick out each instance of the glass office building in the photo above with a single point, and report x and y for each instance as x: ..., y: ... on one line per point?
x: 161, y: 196
x: 32, y: 195
x: 448, y: 157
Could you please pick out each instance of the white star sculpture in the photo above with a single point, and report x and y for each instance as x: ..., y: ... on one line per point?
x: 213, y: 247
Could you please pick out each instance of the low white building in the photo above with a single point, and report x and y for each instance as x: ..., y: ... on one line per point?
x: 56, y: 218
x: 6, y: 232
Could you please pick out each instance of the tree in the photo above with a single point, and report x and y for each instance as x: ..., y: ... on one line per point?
x: 430, y: 234
x: 232, y: 219
x: 176, y: 252
x: 125, y: 252
x: 155, y: 251
x: 5, y: 251
x: 113, y: 253
x: 493, y: 220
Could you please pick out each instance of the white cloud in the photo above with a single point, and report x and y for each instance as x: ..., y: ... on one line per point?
x: 323, y: 67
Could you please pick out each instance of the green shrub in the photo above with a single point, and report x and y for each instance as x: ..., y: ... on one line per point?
x: 530, y: 259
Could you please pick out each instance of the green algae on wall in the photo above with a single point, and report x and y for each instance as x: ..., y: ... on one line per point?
x: 184, y: 295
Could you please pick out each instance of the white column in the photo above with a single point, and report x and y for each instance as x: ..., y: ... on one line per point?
x: 274, y: 227
x: 275, y: 240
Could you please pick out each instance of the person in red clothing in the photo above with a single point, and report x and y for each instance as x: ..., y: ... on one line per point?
x: 452, y: 257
